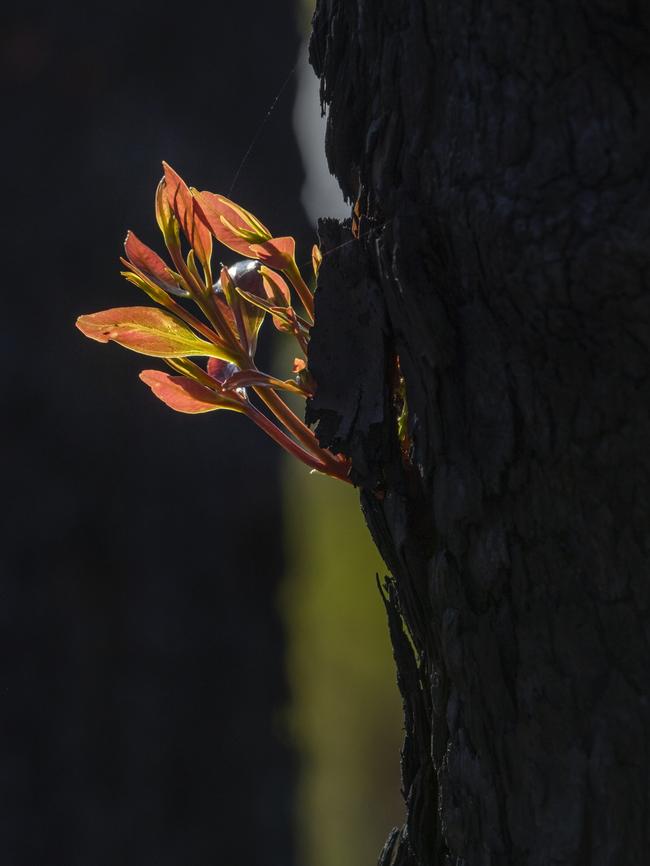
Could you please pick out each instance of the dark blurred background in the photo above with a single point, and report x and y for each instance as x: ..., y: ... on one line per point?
x: 141, y: 550
x: 146, y: 716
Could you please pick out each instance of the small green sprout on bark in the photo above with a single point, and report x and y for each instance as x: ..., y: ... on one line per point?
x: 233, y: 309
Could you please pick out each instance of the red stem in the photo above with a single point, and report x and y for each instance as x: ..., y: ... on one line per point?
x: 300, y: 430
x: 283, y: 440
x: 290, y: 420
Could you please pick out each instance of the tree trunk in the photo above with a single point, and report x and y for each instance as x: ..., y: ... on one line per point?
x: 498, y: 158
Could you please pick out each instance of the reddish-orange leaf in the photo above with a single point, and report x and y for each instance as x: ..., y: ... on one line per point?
x: 278, y: 294
x: 275, y: 253
x: 299, y: 365
x: 316, y: 259
x: 146, y: 330
x: 149, y: 263
x: 232, y: 225
x: 186, y: 395
x: 276, y: 288
x: 226, y: 311
x: 184, y: 206
x: 167, y: 222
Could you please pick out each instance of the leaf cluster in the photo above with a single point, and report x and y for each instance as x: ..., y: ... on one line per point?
x: 231, y: 312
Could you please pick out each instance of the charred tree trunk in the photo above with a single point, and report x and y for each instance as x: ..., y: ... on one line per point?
x: 498, y: 156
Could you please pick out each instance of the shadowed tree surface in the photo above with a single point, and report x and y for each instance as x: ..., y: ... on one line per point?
x: 498, y: 154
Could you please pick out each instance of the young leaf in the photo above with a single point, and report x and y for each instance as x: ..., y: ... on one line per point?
x: 150, y: 263
x: 154, y: 291
x: 233, y: 226
x: 224, y: 308
x: 186, y: 395
x: 249, y: 317
x: 167, y: 222
x: 137, y: 278
x: 316, y: 259
x: 191, y: 266
x: 284, y: 318
x: 276, y: 288
x: 148, y: 331
x: 275, y: 253
x: 184, y: 206
x: 278, y: 294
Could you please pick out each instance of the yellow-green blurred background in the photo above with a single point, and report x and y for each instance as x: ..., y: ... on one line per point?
x: 344, y: 712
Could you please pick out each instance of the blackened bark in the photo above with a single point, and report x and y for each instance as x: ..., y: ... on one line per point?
x: 499, y: 157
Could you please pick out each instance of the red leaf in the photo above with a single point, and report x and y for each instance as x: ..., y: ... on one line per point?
x: 183, y: 204
x: 226, y: 312
x: 185, y: 395
x: 278, y: 294
x: 275, y: 253
x: 276, y: 288
x: 149, y: 263
x: 226, y: 219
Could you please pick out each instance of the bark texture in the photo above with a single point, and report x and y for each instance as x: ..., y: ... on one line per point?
x: 499, y: 157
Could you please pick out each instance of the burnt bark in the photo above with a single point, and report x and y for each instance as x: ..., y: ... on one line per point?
x: 498, y: 158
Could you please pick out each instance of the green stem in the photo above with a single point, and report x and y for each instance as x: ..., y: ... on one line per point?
x: 199, y: 327
x: 210, y: 310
